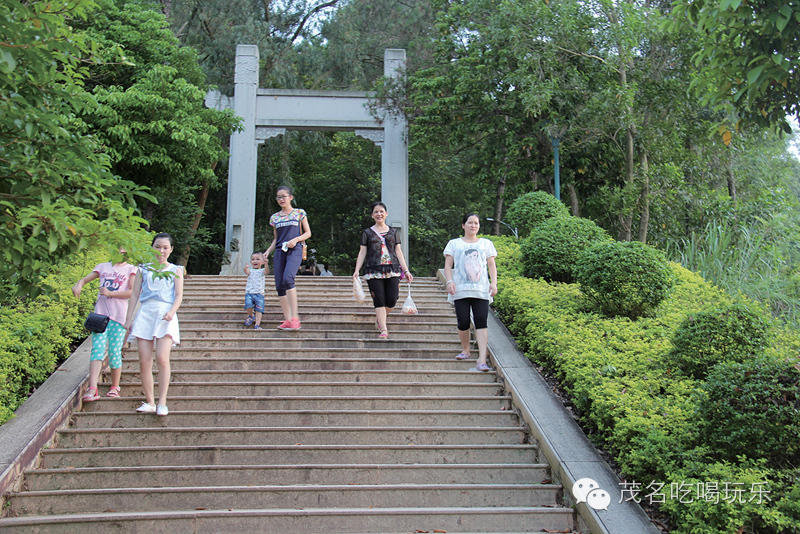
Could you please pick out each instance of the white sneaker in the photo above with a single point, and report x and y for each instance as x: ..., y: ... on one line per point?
x: 146, y: 407
x: 162, y: 409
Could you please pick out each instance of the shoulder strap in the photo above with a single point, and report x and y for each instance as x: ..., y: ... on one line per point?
x: 383, y: 241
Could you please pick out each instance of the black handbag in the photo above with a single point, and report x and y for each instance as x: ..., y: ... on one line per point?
x: 96, y: 323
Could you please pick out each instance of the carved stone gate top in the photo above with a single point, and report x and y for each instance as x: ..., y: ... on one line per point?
x: 267, y: 113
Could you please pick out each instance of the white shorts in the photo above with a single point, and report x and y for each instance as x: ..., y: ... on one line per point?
x: 150, y: 325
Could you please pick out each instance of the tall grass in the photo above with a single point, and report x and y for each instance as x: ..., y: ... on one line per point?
x: 754, y: 261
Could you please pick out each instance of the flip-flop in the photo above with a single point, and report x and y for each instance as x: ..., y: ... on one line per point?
x: 482, y: 367
x: 462, y: 356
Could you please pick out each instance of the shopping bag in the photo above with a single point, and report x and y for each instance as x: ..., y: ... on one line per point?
x: 409, y: 307
x: 358, y: 290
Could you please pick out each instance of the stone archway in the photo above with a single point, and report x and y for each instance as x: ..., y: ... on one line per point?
x: 267, y: 113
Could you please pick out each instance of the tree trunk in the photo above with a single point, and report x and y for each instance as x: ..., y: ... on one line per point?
x: 731, y: 182
x: 166, y: 8
x: 498, y: 205
x: 644, y: 200
x: 198, y: 216
x: 627, y: 218
x: 534, y: 180
x: 573, y: 201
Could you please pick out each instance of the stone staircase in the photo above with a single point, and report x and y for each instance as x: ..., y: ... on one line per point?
x: 328, y: 429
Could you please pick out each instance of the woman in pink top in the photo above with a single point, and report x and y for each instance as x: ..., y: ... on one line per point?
x: 116, y: 284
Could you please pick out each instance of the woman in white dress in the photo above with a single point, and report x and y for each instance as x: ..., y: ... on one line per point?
x: 156, y: 325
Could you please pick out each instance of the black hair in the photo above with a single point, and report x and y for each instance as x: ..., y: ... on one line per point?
x: 468, y: 215
x: 285, y: 188
x: 164, y: 235
x: 378, y: 203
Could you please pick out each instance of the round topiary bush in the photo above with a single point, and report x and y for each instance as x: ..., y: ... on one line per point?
x: 753, y: 409
x: 553, y: 247
x: 624, y: 278
x: 732, y: 334
x: 530, y: 209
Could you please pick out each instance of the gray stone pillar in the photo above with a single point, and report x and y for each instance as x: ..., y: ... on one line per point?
x: 394, y: 153
x: 240, y: 223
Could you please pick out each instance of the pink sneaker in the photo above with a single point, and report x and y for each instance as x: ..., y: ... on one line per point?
x: 294, y: 324
x: 285, y: 325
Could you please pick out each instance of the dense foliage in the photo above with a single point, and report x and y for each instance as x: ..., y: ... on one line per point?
x: 617, y: 377
x: 58, y: 196
x: 733, y: 333
x: 748, y: 52
x: 552, y: 249
x: 38, y: 334
x: 750, y: 408
x: 624, y: 278
x: 530, y: 209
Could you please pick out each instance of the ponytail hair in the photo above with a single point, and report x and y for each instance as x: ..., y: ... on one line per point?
x: 164, y: 235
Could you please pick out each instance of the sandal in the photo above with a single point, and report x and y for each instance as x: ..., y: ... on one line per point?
x: 90, y: 395
x: 482, y: 367
x: 113, y: 392
x: 462, y: 356
x: 384, y: 334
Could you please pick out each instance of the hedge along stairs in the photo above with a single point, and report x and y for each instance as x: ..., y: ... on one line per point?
x: 328, y: 429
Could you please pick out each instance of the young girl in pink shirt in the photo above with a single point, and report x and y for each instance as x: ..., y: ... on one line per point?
x: 116, y: 283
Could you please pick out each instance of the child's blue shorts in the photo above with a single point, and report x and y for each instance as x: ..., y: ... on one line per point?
x: 255, y: 301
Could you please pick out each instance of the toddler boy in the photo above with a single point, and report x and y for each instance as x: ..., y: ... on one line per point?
x: 254, y: 290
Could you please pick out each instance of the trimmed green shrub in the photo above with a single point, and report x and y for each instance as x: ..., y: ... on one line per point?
x: 35, y: 335
x: 509, y: 258
x: 553, y: 247
x: 733, y: 333
x: 629, y: 279
x: 752, y: 409
x: 530, y: 209
x: 642, y: 411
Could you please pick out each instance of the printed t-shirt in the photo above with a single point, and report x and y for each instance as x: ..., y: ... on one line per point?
x: 255, y: 281
x: 470, y: 270
x: 287, y: 226
x: 113, y: 278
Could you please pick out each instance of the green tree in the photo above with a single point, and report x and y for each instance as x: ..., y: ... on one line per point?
x: 747, y: 54
x: 57, y: 193
x: 152, y: 118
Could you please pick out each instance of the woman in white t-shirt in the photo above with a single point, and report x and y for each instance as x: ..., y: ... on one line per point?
x: 471, y: 275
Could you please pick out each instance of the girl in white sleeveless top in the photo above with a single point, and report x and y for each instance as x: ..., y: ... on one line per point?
x: 156, y: 324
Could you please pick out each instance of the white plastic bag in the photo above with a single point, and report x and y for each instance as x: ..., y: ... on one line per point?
x: 358, y: 290
x: 409, y: 307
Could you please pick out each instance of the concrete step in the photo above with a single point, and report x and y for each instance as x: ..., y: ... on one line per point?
x: 305, y: 282
x: 438, y: 325
x: 268, y: 340
x: 328, y: 429
x: 381, y: 351
x: 355, y: 520
x: 322, y: 307
x: 345, y: 435
x: 314, y: 418
x: 321, y: 296
x: 226, y: 403
x: 267, y: 363
x: 296, y: 455
x: 315, y: 376
x: 260, y: 475
x: 143, y: 499
x: 365, y: 315
x: 368, y: 332
x: 357, y: 389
